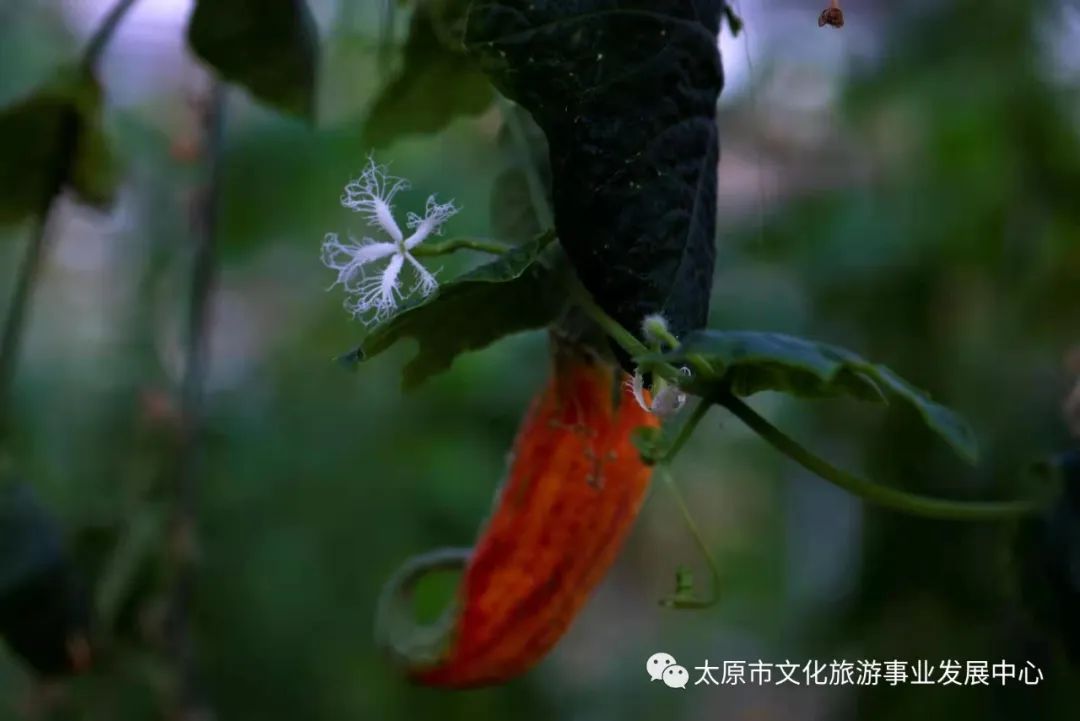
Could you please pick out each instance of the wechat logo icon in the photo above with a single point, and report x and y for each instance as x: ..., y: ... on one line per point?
x: 663, y: 667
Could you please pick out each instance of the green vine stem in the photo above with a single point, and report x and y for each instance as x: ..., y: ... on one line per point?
x: 684, y: 597
x: 189, y: 460
x: 26, y: 280
x: 610, y: 326
x: 666, y: 336
x: 449, y: 246
x: 104, y: 32
x: 396, y: 628
x: 875, y: 493
x: 687, y: 429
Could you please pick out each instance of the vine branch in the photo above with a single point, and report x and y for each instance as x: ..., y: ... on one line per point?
x: 687, y: 429
x: 189, y: 461
x: 104, y: 32
x: 683, y: 598
x: 28, y: 273
x: 449, y: 246
x: 869, y: 491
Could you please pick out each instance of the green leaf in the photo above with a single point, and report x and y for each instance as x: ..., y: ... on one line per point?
x: 438, y: 83
x: 51, y: 138
x: 94, y: 174
x: 515, y: 293
x: 747, y: 362
x: 271, y: 47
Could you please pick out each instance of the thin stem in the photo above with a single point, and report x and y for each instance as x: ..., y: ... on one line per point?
x: 659, y: 331
x: 609, y: 325
x: 871, y: 492
x: 396, y: 628
x: 449, y: 246
x: 189, y: 460
x: 626, y: 340
x: 691, y: 603
x: 14, y: 323
x: 30, y: 269
x: 688, y: 428
x: 104, y: 32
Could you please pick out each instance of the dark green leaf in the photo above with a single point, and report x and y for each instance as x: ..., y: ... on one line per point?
x: 943, y: 421
x: 515, y: 293
x: 94, y: 173
x: 748, y: 362
x: 51, y: 138
x: 437, y: 84
x: 271, y: 47
x: 31, y: 133
x: 626, y: 94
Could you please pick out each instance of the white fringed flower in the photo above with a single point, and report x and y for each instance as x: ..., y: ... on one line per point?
x: 667, y: 398
x: 374, y: 295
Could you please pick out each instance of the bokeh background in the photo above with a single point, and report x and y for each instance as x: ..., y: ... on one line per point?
x: 908, y: 186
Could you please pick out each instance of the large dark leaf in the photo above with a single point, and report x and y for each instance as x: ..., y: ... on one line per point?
x: 509, y: 295
x: 271, y: 47
x: 626, y: 92
x: 52, y: 138
x: 437, y: 84
x: 748, y: 362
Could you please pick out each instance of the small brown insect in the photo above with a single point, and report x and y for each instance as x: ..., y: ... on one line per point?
x: 832, y: 15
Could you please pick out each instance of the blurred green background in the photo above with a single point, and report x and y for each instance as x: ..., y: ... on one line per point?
x: 908, y: 186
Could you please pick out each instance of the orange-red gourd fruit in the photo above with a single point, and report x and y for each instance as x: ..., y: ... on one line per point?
x: 575, y: 485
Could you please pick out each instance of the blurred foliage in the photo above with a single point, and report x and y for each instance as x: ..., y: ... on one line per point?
x: 950, y: 250
x: 268, y: 46
x: 436, y: 83
x: 50, y: 139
